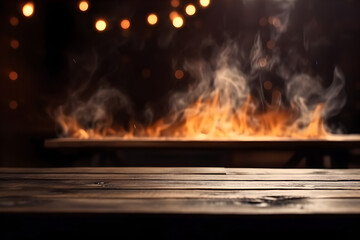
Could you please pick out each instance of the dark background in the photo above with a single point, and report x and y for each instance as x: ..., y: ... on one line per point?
x: 60, y: 51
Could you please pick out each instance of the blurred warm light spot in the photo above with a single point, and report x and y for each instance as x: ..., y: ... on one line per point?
x: 274, y: 21
x: 13, y: 76
x: 152, y: 19
x: 262, y: 62
x: 83, y: 6
x: 178, y: 22
x: 125, y: 24
x: 100, y: 25
x: 270, y: 44
x: 173, y: 15
x: 190, y: 10
x: 204, y: 3
x: 175, y: 3
x: 13, y: 104
x: 267, y: 85
x: 14, y: 44
x: 263, y: 21
x: 179, y: 74
x: 14, y: 21
x: 28, y: 9
x: 146, y: 73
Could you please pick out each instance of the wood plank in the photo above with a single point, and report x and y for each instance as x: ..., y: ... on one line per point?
x: 119, y: 170
x: 181, y: 206
x: 331, y: 141
x: 289, y: 171
x: 153, y: 184
x: 182, y: 177
x: 176, y: 194
x: 180, y: 190
x: 181, y: 170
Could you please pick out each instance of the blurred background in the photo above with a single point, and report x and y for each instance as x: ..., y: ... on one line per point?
x: 49, y: 49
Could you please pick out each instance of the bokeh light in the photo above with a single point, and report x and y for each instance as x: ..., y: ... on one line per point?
x: 14, y: 44
x: 267, y: 85
x: 262, y: 62
x: 178, y: 22
x: 83, y: 6
x: 146, y: 73
x: 179, y: 74
x: 28, y: 9
x: 277, y: 22
x: 190, y: 10
x: 100, y: 25
x: 175, y: 3
x: 14, y: 21
x: 13, y: 104
x: 13, y: 75
x: 270, y: 44
x: 152, y: 19
x: 263, y: 21
x: 173, y: 14
x: 125, y: 24
x: 204, y: 3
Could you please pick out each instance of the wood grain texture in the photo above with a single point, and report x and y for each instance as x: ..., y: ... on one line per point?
x: 180, y: 191
x: 334, y: 141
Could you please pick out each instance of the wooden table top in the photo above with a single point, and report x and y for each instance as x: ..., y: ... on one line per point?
x: 231, y: 191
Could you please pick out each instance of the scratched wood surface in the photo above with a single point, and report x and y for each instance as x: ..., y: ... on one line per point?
x: 180, y: 191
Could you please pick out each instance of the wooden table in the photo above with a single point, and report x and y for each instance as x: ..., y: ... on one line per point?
x: 174, y: 200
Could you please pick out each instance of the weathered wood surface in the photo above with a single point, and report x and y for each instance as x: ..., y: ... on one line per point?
x: 180, y: 191
x: 333, y: 141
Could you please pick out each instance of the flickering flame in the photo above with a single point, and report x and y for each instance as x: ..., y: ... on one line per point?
x: 212, y: 119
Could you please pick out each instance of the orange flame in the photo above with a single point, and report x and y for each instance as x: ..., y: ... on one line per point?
x: 210, y: 119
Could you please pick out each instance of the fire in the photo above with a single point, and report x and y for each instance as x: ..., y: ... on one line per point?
x: 209, y: 119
